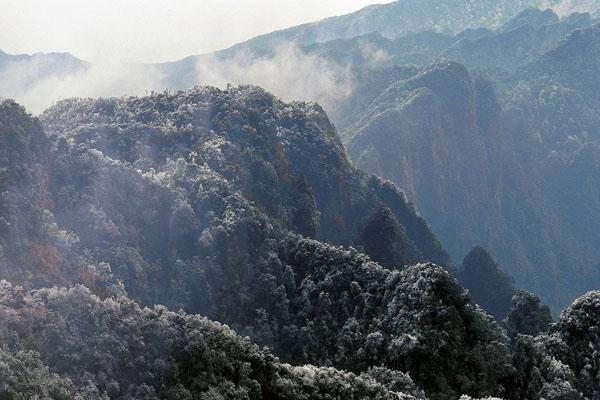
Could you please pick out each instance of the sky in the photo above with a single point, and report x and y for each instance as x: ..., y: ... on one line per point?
x: 151, y: 30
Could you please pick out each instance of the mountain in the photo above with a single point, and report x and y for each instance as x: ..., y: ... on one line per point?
x: 432, y: 132
x: 285, y: 160
x: 480, y: 152
x: 376, y: 51
x: 409, y: 16
x: 48, y: 62
x: 24, y: 70
x: 477, y: 170
x: 194, y: 199
x: 517, y: 43
x: 218, y: 177
x: 573, y: 63
x: 489, y: 286
x: 41, y: 79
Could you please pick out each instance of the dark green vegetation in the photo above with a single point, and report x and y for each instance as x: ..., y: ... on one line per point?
x: 113, y: 349
x: 489, y: 286
x: 191, y: 200
x: 527, y: 316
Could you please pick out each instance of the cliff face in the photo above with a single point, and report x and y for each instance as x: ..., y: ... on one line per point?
x: 510, y: 177
x: 432, y: 134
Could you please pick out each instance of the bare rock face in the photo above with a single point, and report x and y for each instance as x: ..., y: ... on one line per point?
x: 432, y: 134
x: 515, y: 175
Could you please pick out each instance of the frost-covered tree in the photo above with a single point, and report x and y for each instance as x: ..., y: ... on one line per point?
x: 527, y: 315
x: 24, y: 376
x: 575, y: 341
x: 82, y: 347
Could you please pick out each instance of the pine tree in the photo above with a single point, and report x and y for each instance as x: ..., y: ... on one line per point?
x: 527, y: 315
x: 383, y: 238
x: 305, y: 221
x: 490, y: 287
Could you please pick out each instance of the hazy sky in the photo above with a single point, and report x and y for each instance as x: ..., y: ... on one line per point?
x: 151, y: 30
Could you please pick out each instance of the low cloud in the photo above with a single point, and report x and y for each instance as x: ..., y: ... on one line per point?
x: 31, y: 82
x: 287, y: 72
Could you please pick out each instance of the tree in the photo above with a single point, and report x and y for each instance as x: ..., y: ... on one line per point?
x: 305, y: 220
x: 88, y: 348
x: 527, y: 315
x: 579, y: 331
x: 489, y: 286
x: 383, y: 238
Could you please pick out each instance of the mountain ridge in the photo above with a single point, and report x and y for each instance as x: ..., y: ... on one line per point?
x: 169, y: 199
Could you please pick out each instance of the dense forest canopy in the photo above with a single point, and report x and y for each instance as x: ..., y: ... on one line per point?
x: 207, y: 236
x: 226, y: 243
x: 519, y: 146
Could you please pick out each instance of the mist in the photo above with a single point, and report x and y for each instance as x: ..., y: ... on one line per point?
x: 140, y: 31
x: 25, y: 82
x: 287, y: 72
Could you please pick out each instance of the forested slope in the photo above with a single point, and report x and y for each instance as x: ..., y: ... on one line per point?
x: 195, y: 200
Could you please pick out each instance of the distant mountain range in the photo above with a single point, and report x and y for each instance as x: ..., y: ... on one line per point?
x: 46, y: 64
x: 411, y: 16
x: 406, y: 19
